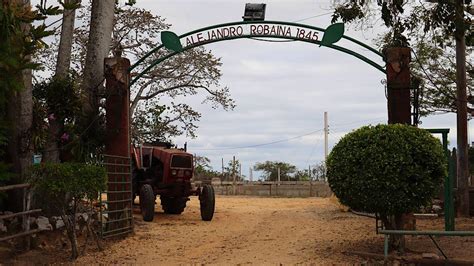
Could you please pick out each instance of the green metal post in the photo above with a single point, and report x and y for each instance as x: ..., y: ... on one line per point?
x: 448, y: 181
x: 385, y: 246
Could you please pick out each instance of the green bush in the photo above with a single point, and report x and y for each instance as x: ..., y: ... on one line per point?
x: 386, y: 169
x: 78, y: 180
x: 65, y: 186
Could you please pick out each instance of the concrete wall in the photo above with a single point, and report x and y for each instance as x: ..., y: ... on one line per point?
x: 272, y: 189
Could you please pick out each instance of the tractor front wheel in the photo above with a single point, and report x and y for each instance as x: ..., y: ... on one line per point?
x: 147, y: 202
x: 207, y: 201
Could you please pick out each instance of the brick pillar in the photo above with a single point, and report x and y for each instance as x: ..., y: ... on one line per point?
x: 117, y: 142
x: 398, y: 85
x: 117, y: 106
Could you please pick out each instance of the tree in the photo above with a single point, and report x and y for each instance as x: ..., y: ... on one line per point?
x: 301, y: 175
x: 65, y: 186
x: 318, y: 171
x: 51, y: 150
x: 436, y: 70
x: 448, y: 18
x: 20, y: 40
x: 233, y: 169
x: 203, y: 169
x: 428, y: 29
x: 58, y: 100
x: 156, y: 108
x: 387, y: 169
x: 155, y: 96
x: 270, y: 170
x: 98, y: 47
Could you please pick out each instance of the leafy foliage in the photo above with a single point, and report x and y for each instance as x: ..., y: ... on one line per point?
x: 318, y: 171
x: 19, y: 40
x: 428, y: 28
x: 67, y: 182
x: 155, y: 122
x: 435, y: 67
x: 56, y: 99
x: 203, y: 169
x: 301, y: 175
x: 64, y: 187
x: 270, y: 170
x: 386, y: 169
x: 156, y: 99
x: 60, y: 96
x: 230, y: 170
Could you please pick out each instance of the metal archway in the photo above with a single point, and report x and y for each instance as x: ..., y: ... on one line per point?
x: 254, y: 29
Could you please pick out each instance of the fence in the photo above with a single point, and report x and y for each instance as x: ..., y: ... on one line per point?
x: 116, y: 215
x: 25, y: 214
x: 274, y: 189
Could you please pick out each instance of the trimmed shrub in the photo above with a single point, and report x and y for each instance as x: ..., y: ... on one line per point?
x: 386, y: 169
x: 65, y: 186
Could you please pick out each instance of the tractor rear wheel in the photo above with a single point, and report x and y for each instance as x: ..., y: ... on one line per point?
x: 173, y: 205
x: 207, y: 201
x: 147, y: 202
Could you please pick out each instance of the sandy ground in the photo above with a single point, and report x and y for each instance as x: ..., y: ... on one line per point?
x: 258, y: 231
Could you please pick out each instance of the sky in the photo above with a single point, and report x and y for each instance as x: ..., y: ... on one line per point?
x: 282, y: 89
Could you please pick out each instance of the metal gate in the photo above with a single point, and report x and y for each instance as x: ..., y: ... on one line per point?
x: 116, y: 212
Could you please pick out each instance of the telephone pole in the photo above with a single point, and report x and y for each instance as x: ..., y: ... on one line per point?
x: 326, y: 133
x: 233, y: 174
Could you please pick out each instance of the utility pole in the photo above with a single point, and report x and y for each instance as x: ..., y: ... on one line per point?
x: 222, y: 160
x: 240, y: 172
x: 250, y: 174
x: 233, y: 174
x: 461, y: 115
x: 309, y: 173
x: 326, y: 133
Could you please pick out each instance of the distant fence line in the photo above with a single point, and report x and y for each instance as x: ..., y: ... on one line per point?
x: 273, y: 189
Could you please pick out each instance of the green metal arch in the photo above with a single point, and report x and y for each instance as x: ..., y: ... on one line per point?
x: 336, y: 47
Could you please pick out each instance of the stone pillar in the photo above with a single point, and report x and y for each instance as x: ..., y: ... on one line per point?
x: 398, y: 85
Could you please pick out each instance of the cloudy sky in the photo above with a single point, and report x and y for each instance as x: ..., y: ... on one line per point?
x: 282, y: 89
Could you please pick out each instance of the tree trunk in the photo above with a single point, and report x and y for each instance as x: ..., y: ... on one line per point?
x: 395, y: 222
x: 462, y: 162
x: 20, y: 117
x: 98, y: 47
x: 65, y: 42
x: 70, y: 223
x: 51, y: 153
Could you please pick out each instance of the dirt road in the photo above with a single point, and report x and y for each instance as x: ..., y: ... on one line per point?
x: 254, y: 230
x: 260, y: 231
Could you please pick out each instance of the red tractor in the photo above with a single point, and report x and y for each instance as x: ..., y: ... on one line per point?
x: 159, y: 169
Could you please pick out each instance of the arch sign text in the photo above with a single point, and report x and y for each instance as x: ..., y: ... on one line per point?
x: 266, y: 29
x: 253, y: 30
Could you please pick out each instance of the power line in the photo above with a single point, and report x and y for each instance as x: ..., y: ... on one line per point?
x: 278, y: 141
x: 262, y: 144
x: 265, y: 40
x: 316, y: 16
